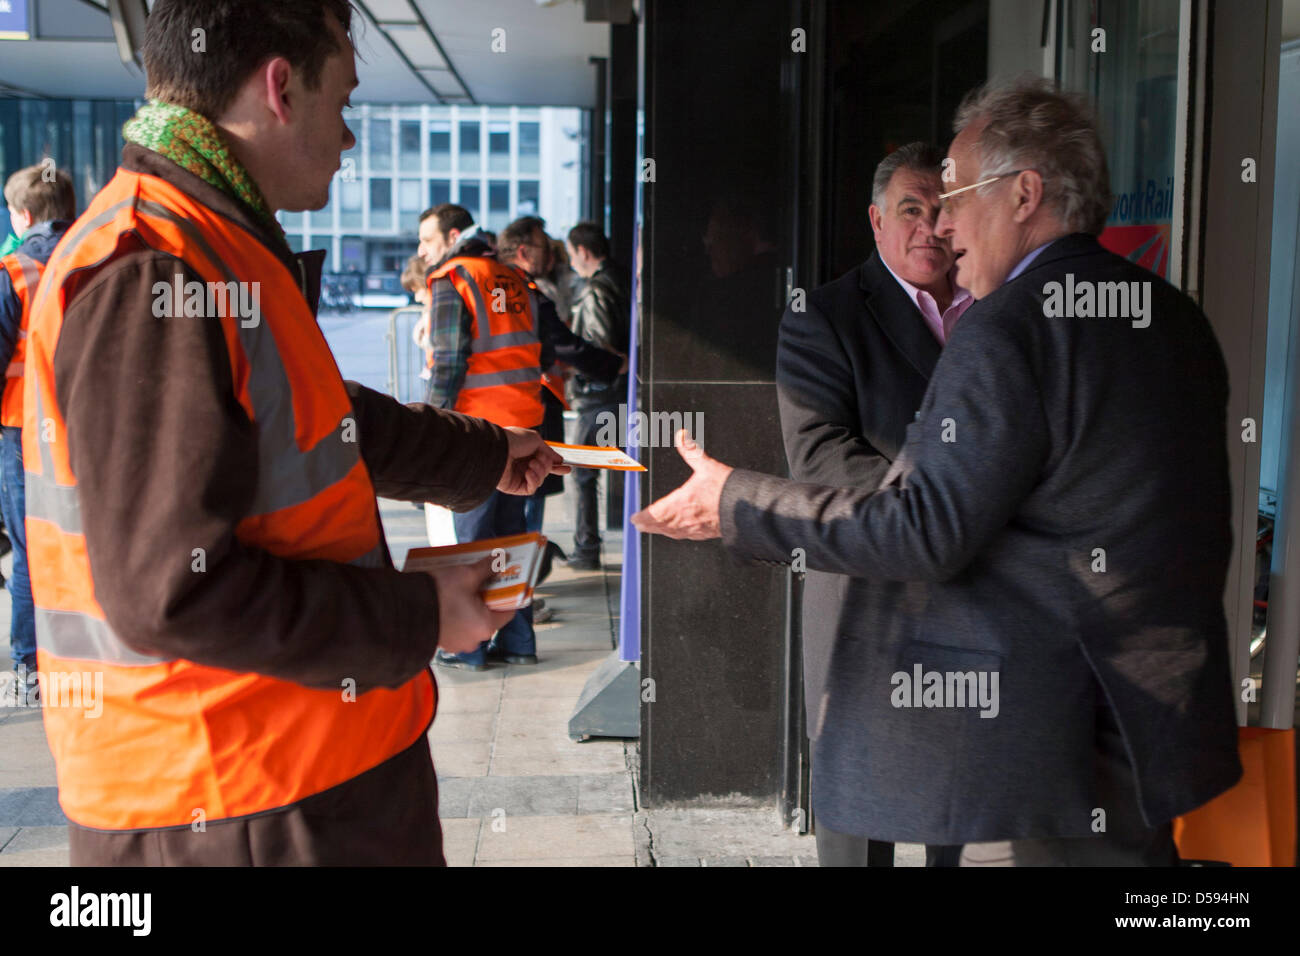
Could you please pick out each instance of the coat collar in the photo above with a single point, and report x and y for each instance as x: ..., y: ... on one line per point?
x: 898, y: 316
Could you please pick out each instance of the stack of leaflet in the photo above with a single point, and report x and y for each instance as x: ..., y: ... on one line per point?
x: 515, y: 559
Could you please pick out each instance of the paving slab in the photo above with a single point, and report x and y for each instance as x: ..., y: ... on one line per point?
x: 529, y: 839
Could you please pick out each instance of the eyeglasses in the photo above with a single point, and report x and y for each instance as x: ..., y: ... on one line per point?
x: 949, y: 206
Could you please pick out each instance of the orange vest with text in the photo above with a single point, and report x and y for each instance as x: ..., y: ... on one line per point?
x: 177, y: 741
x: 504, y: 379
x: 24, y: 274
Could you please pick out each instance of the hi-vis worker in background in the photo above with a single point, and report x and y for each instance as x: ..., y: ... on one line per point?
x: 202, y: 523
x: 42, y: 204
x: 492, y: 333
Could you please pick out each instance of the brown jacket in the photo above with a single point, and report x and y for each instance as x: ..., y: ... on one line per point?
x: 152, y: 415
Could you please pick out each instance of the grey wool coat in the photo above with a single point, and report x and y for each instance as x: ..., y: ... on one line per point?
x: 1062, y: 505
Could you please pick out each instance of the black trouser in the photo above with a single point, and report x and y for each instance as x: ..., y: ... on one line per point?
x: 586, y: 533
x: 844, y: 849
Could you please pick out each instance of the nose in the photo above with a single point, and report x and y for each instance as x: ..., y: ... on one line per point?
x: 943, y: 225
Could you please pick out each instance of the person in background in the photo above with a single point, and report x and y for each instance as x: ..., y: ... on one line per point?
x: 413, y: 283
x: 601, y: 314
x: 492, y: 335
x: 851, y: 371
x: 42, y: 204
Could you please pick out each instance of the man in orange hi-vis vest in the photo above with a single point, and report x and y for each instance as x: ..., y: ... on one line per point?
x: 203, y: 536
x: 492, y: 333
x: 42, y: 204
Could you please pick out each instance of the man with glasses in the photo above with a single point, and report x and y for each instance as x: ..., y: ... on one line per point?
x: 1056, y: 689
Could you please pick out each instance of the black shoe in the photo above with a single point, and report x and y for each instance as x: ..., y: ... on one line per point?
x: 552, y: 551
x: 451, y: 660
x: 496, y: 654
x: 579, y: 563
x: 26, y: 688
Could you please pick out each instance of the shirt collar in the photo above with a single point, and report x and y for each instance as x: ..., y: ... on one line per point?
x: 959, y: 294
x: 1026, y: 261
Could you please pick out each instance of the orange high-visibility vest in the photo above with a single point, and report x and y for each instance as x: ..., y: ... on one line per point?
x: 24, y: 274
x: 504, y: 379
x: 175, y: 738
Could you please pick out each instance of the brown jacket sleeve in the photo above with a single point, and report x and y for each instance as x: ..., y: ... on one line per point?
x: 421, y: 453
x: 166, y: 464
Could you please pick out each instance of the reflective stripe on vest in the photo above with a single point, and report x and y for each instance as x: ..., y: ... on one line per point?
x: 25, y: 277
x: 503, y: 379
x: 175, y: 736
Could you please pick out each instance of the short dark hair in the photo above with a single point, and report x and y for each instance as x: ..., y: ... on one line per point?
x: 517, y: 234
x: 42, y: 190
x: 449, y: 216
x: 918, y: 157
x: 244, y: 34
x: 588, y: 235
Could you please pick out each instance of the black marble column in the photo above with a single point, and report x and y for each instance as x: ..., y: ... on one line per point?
x: 716, y: 244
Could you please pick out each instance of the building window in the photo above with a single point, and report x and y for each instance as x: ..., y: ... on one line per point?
x: 498, y: 205
x: 499, y: 148
x: 469, y: 198
x: 350, y: 204
x: 408, y: 197
x: 529, y: 198
x: 530, y: 147
x: 439, y: 192
x: 381, y: 204
x: 381, y: 145
x: 469, y: 147
x: 295, y: 241
x: 409, y: 146
x: 440, y: 147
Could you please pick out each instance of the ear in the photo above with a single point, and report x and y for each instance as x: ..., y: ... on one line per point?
x: 276, y: 75
x: 1027, y: 191
x: 877, y: 219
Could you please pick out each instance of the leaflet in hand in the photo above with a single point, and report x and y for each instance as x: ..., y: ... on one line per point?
x: 593, y: 456
x: 515, y: 562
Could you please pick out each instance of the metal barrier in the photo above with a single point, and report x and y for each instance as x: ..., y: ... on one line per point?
x: 405, y: 358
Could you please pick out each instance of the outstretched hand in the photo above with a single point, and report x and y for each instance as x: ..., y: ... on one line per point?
x: 692, y: 511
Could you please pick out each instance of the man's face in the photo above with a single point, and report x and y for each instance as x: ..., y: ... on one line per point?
x: 534, y: 256
x: 433, y: 244
x: 904, y: 229
x: 319, y: 133
x: 578, y: 259
x: 19, y: 221
x: 983, y: 230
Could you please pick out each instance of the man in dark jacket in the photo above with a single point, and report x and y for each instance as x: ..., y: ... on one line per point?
x: 851, y: 370
x: 1059, y: 688
x: 42, y: 204
x: 601, y: 314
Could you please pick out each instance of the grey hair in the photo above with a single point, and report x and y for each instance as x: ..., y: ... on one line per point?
x: 1032, y: 125
x: 918, y: 156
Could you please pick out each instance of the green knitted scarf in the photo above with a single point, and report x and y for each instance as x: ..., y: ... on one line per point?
x: 193, y: 142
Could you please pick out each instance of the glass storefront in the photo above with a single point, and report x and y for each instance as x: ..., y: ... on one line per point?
x: 1124, y: 55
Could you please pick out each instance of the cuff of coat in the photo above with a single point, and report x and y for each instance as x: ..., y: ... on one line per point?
x: 737, y: 510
